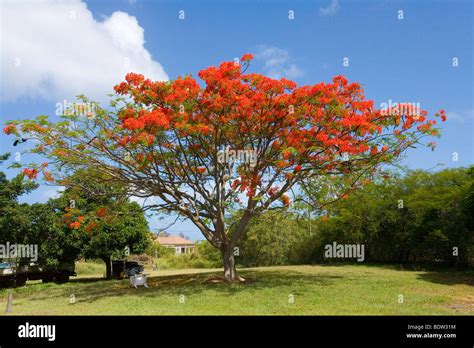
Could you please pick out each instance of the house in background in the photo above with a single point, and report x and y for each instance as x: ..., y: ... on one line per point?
x: 179, y: 244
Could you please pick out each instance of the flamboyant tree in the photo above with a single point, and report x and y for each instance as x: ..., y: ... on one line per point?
x: 236, y: 141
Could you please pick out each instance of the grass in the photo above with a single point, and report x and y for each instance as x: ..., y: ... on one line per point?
x: 91, y: 268
x: 316, y: 290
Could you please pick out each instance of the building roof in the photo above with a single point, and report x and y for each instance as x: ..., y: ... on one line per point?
x: 173, y: 240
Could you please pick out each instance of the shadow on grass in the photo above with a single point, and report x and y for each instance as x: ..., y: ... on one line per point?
x: 86, y: 280
x: 399, y: 266
x: 432, y: 273
x: 89, y: 290
x: 449, y: 278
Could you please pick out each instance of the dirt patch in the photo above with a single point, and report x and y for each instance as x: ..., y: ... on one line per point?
x: 463, y: 304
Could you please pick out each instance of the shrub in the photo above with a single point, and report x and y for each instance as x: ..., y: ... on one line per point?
x: 275, y: 238
x: 208, y: 253
x: 181, y: 261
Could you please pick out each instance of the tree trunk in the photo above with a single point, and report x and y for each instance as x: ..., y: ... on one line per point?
x: 230, y: 272
x: 108, y: 267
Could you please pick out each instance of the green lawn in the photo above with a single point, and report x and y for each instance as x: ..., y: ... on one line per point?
x: 316, y: 290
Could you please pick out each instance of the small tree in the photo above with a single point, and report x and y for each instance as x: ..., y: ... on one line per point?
x: 102, y: 220
x: 12, y: 214
x: 43, y: 226
x: 123, y: 232
x: 33, y: 224
x: 240, y: 141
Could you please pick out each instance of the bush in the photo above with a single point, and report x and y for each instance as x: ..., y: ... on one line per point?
x: 181, y: 261
x: 419, y: 218
x: 275, y: 238
x: 209, y: 254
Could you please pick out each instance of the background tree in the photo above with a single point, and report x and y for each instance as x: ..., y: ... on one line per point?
x: 103, y: 221
x: 36, y: 224
x: 275, y: 238
x: 12, y: 216
x: 125, y: 233
x: 43, y: 226
x: 163, y: 234
x: 419, y: 217
x: 168, y: 140
x: 182, y: 235
x: 205, y: 250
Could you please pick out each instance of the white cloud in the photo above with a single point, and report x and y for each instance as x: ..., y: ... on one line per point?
x: 55, y: 49
x: 278, y: 63
x: 331, y: 9
x: 50, y: 193
x: 460, y: 116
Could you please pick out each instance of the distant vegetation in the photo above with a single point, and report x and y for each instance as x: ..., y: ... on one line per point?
x: 418, y: 218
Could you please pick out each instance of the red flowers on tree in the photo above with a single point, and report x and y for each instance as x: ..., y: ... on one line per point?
x: 101, y: 212
x: 442, y: 113
x: 75, y: 225
x: 10, y: 129
x: 165, y: 140
x: 31, y: 173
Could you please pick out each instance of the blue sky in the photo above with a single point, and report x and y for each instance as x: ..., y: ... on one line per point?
x: 68, y: 48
